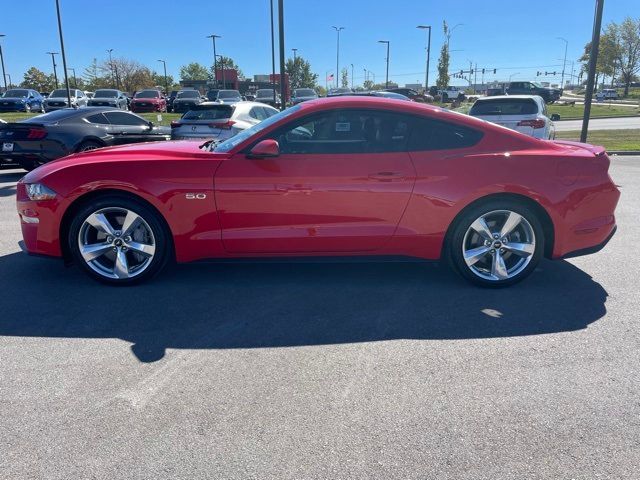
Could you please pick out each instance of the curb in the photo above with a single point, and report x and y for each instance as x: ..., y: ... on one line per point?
x: 572, y: 119
x: 623, y: 152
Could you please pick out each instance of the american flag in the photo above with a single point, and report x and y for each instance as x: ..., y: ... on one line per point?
x: 330, y: 77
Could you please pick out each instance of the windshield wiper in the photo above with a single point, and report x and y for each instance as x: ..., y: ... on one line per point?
x: 210, y: 145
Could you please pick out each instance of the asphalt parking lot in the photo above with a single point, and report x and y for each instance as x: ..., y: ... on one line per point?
x: 322, y: 370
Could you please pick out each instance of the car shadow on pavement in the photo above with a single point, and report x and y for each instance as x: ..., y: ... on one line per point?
x: 11, y: 177
x: 220, y: 306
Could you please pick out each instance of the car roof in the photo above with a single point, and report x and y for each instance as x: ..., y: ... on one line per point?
x: 509, y: 97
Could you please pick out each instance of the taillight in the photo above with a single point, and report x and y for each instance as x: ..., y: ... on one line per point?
x: 223, y: 125
x: 175, y: 124
x: 537, y: 123
x: 36, y: 133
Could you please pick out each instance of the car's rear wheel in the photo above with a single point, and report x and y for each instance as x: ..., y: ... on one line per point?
x: 118, y: 241
x: 497, y: 243
x: 88, y: 146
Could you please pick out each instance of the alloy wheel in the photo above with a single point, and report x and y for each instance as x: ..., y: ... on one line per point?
x: 116, y: 243
x: 499, y: 245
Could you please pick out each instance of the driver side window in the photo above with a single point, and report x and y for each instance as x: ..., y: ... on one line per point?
x: 345, y: 132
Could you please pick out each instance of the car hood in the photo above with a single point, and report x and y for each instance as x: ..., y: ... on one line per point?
x: 146, y: 100
x: 58, y: 99
x: 103, y: 99
x: 139, y: 152
x: 185, y: 100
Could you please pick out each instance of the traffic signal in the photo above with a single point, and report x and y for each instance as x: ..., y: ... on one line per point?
x: 483, y: 71
x: 471, y: 71
x: 538, y: 74
x: 494, y: 70
x: 461, y: 72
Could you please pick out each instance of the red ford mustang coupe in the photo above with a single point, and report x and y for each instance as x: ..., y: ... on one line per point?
x: 330, y: 177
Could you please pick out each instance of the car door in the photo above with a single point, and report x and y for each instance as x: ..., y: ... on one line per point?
x: 340, y: 184
x: 127, y: 127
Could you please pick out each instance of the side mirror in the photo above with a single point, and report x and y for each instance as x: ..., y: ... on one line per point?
x: 265, y: 149
x: 151, y: 125
x: 555, y: 117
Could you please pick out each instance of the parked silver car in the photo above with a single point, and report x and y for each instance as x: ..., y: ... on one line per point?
x: 219, y: 121
x: 224, y: 96
x: 109, y: 97
x: 58, y: 99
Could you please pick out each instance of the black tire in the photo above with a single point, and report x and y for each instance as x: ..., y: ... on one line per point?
x: 29, y: 165
x: 88, y: 145
x: 161, y: 238
x: 462, y: 224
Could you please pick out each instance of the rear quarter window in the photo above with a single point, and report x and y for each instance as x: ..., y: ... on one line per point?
x: 431, y: 134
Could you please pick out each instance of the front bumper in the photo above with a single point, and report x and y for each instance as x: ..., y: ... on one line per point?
x: 146, y: 107
x: 14, y: 107
x: 40, y: 224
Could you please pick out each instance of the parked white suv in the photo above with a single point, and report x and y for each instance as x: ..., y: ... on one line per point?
x: 451, y: 93
x: 219, y: 121
x: 607, y: 94
x: 523, y: 113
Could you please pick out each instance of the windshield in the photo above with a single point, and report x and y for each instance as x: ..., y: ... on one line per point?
x: 105, y: 94
x: 209, y: 113
x: 16, y: 93
x: 304, y: 92
x: 264, y: 93
x: 59, y: 93
x: 229, y: 94
x: 212, y: 95
x: 148, y: 94
x: 228, y: 144
x: 188, y: 94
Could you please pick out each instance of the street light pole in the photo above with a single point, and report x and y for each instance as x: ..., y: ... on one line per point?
x: 75, y: 80
x: 215, y: 58
x: 593, y: 59
x: 352, y: 76
x: 283, y: 89
x: 426, y: 73
x: 564, y: 63
x: 4, y: 78
x: 295, y: 56
x: 224, y: 80
x: 10, y: 81
x: 166, y: 85
x: 53, y: 60
x: 386, y: 82
x: 64, y: 56
x: 513, y: 75
x: 273, y: 55
x: 338, y: 53
x: 113, y: 78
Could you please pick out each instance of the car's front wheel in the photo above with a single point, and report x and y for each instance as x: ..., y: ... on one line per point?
x: 497, y: 243
x: 118, y: 241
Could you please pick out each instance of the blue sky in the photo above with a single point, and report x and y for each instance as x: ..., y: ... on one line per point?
x: 493, y: 34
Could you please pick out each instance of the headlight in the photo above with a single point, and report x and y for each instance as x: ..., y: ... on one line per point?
x: 37, y: 192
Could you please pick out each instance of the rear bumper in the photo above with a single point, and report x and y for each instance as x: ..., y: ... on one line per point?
x: 593, y: 249
x: 36, y: 151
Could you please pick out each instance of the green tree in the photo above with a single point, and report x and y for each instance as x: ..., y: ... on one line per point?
x: 344, y: 78
x: 228, y: 64
x: 367, y: 85
x: 299, y: 71
x: 443, y: 61
x: 38, y: 80
x: 158, y: 80
x: 194, y: 71
x: 628, y: 51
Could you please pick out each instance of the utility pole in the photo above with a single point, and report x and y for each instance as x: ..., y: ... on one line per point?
x: 593, y: 59
x: 475, y: 78
x: 224, y: 80
x: 386, y: 83
x: 338, y: 54
x: 295, y: 54
x: 426, y: 73
x: 283, y: 90
x: 4, y: 74
x: 53, y: 60
x: 75, y: 80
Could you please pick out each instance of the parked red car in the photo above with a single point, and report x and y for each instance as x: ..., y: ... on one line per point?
x: 338, y: 176
x: 148, y: 101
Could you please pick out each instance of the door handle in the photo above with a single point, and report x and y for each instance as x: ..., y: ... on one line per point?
x: 387, y: 176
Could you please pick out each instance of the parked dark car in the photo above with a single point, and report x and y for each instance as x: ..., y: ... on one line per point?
x: 411, y: 94
x: 302, y: 95
x: 41, y: 139
x: 150, y: 100
x: 495, y: 91
x: 108, y: 97
x: 186, y: 100
x: 170, y: 99
x: 549, y: 95
x: 21, y: 100
x: 265, y: 95
x: 58, y: 99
